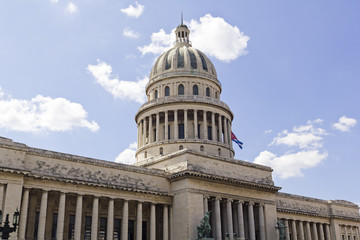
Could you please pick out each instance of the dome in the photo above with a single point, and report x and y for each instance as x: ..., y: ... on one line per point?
x: 183, y: 60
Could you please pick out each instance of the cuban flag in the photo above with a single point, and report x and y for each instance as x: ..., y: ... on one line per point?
x: 234, y: 138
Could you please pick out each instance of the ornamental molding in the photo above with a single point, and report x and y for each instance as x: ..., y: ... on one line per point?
x: 313, y: 214
x: 235, y: 198
x: 81, y: 182
x: 203, y: 176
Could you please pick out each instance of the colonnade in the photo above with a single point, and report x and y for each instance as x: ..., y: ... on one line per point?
x: 304, y: 230
x: 195, y: 124
x: 349, y: 232
x: 80, y: 228
x: 235, y: 218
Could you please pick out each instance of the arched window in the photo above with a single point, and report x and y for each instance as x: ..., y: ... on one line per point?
x: 219, y: 151
x: 195, y: 90
x: 201, y: 148
x: 167, y: 91
x: 156, y: 94
x: 145, y: 154
x: 161, y: 151
x: 181, y: 147
x: 216, y: 95
x: 181, y: 89
x: 208, y: 92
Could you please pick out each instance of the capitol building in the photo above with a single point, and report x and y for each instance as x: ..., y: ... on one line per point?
x: 185, y: 167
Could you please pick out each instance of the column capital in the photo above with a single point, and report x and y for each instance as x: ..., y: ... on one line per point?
x: 205, y: 196
x: 240, y: 201
x: 218, y: 198
x: 229, y: 200
x: 261, y: 204
x: 251, y: 203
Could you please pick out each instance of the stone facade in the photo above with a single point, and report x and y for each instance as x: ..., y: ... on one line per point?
x: 185, y: 167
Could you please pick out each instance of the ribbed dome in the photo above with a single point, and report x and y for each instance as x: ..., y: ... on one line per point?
x: 182, y: 59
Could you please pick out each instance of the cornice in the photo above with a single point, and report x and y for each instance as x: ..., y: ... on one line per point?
x: 81, y: 182
x: 173, y: 100
x: 210, y: 177
x: 313, y: 214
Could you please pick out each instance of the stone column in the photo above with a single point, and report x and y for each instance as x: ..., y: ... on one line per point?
x: 206, y: 206
x: 23, y: 215
x: 152, y: 222
x: 301, y: 231
x: 78, y: 217
x: 327, y: 232
x: 220, y: 128
x: 262, y: 222
x: 186, y: 123
x: 171, y: 229
x: 165, y: 223
x: 229, y: 218
x: 110, y: 220
x: 95, y: 218
x: 42, y: 215
x: 125, y: 221
x: 176, y: 127
x: 307, y: 231
x: 225, y: 131
x: 230, y: 141
x: 138, y: 135
x: 166, y: 125
x: 345, y: 232
x: 157, y: 127
x: 315, y: 232
x: 2, y: 196
x: 287, y: 232
x: 251, y: 220
x: 213, y: 127
x: 218, y: 218
x: 321, y: 230
x: 139, y: 221
x: 294, y: 231
x: 150, y: 140
x: 61, y: 217
x: 144, y: 131
x: 195, y: 124
x: 241, y: 220
x: 205, y: 125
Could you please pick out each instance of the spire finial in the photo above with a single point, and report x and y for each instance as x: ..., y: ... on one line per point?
x: 181, y: 18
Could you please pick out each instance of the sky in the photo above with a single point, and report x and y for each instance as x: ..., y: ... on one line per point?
x: 73, y: 73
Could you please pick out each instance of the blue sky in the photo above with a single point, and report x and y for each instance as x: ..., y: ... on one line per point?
x: 72, y: 75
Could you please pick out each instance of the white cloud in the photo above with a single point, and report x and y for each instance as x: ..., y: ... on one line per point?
x: 54, y: 1
x: 304, y: 136
x: 132, y: 11
x: 130, y: 33
x: 305, y: 150
x: 291, y: 164
x: 2, y: 94
x: 268, y: 131
x: 128, y: 155
x: 344, y: 124
x: 212, y: 35
x: 160, y: 42
x: 118, y: 88
x: 71, y: 8
x: 43, y: 114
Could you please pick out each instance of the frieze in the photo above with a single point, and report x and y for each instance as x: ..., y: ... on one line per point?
x: 185, y: 174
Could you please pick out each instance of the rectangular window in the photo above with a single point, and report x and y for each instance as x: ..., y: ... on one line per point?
x: 131, y: 234
x: 209, y: 132
x: 154, y: 138
x: 103, y: 228
x: 117, y: 227
x: 199, y: 131
x: 144, y: 230
x: 71, y: 227
x: 54, y: 226
x: 36, y: 224
x: 169, y: 131
x: 181, y: 131
x: 87, y: 232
